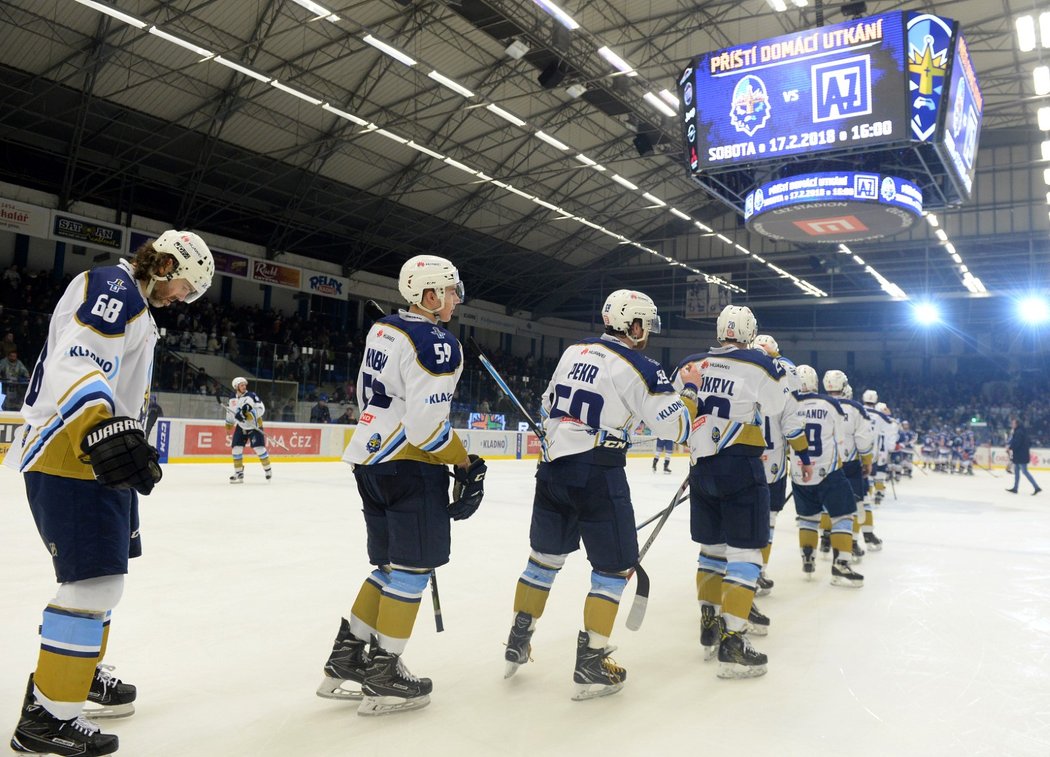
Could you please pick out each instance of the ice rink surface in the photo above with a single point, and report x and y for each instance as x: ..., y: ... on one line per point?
x: 231, y: 612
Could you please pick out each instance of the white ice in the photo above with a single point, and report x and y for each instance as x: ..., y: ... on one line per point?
x: 229, y: 615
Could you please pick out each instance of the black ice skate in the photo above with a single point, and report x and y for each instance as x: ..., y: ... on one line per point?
x: 758, y: 624
x: 667, y: 466
x: 825, y: 543
x: 809, y: 563
x: 857, y: 553
x: 655, y: 461
x: 109, y: 697
x: 842, y: 574
x: 237, y: 477
x: 346, y: 665
x: 519, y: 644
x: 874, y: 543
x: 737, y: 658
x: 710, y: 631
x: 40, y: 732
x: 596, y: 674
x: 389, y: 687
x: 764, y: 584
x: 268, y: 472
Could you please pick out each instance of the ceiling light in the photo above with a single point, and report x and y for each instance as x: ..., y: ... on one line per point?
x: 516, y: 50
x: 296, y: 93
x: 158, y: 32
x: 778, y: 5
x: 561, y: 16
x: 1046, y: 175
x: 1033, y: 310
x: 1045, y: 149
x: 669, y: 98
x: 390, y: 135
x: 926, y: 313
x: 461, y: 166
x: 453, y: 85
x: 941, y: 235
x: 956, y: 257
x: 343, y: 114
x: 725, y: 239
x: 241, y: 69
x: 680, y: 214
x: 114, y: 13
x: 1043, y: 115
x: 950, y: 248
x: 1025, y: 26
x: 551, y: 141
x: 393, y: 52
x: 659, y: 104
x: 319, y: 11
x: 588, y: 162
x: 932, y: 220
x: 654, y: 199
x: 858, y: 260
x: 623, y: 182
x: 1044, y: 28
x: 504, y: 114
x: 616, y: 61
x: 1041, y: 77
x: 426, y: 150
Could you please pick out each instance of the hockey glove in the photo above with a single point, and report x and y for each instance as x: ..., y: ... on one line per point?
x: 239, y: 415
x: 468, y: 489
x: 121, y: 457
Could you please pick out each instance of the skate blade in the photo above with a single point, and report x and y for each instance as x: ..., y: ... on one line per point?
x: 371, y: 706
x: 730, y: 670
x: 332, y: 688
x: 511, y: 669
x: 854, y: 559
x: 762, y: 592
x: 710, y: 653
x: 585, y: 691
x: 108, y: 712
x: 874, y: 547
x: 848, y: 583
x: 756, y: 630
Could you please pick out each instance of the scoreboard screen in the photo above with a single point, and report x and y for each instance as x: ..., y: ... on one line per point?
x: 836, y: 87
x: 962, y: 128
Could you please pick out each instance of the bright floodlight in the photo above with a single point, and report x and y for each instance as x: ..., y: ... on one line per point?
x: 926, y: 313
x: 1033, y: 310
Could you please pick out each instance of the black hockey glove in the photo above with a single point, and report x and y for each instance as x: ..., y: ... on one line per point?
x: 469, y: 488
x: 121, y: 457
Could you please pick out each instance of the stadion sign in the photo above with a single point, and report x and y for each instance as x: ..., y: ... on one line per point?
x: 208, y: 440
x: 21, y: 218
x: 326, y: 284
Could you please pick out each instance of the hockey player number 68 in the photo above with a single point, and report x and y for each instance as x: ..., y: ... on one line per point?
x: 107, y: 309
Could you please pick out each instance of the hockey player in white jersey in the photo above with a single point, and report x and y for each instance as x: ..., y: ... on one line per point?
x: 85, y: 461
x: 828, y: 490
x: 400, y: 452
x: 601, y: 388
x: 244, y: 418
x: 729, y: 497
x: 882, y: 429
x: 857, y: 452
x: 780, y: 432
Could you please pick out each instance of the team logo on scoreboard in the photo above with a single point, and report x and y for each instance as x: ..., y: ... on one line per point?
x: 760, y: 199
x: 889, y: 189
x: 751, y: 107
x: 866, y: 186
x: 687, y: 93
x: 841, y: 89
x: 929, y: 38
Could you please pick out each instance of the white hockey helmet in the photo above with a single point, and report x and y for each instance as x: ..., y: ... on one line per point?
x: 835, y: 381
x: 193, y: 261
x: 238, y: 381
x: 624, y: 306
x: 870, y: 396
x: 425, y: 272
x: 807, y: 378
x: 847, y: 392
x: 736, y: 323
x: 882, y: 408
x: 767, y: 344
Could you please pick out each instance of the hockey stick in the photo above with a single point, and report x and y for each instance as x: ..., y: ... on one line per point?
x: 374, y: 311
x: 438, y: 622
x: 641, y: 594
x: 660, y: 514
x: 476, y: 349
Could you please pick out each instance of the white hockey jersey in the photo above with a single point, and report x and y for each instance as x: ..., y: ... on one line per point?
x: 600, y: 390
x: 738, y: 388
x: 825, y: 426
x: 404, y: 389
x: 859, y: 439
x: 97, y: 363
x: 885, y: 431
x: 251, y: 408
x: 784, y: 429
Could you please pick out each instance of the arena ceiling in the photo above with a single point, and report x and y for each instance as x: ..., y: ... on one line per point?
x: 361, y: 159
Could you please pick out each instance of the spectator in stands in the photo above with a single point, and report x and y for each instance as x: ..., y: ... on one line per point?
x: 14, y: 376
x: 288, y: 413
x: 320, y: 413
x: 9, y: 344
x: 348, y: 416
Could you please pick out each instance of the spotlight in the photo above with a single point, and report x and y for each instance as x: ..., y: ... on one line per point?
x: 577, y: 90
x: 854, y: 10
x: 643, y: 145
x: 926, y: 313
x: 1033, y: 310
x: 552, y: 75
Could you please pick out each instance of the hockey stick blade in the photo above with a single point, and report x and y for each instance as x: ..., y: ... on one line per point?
x: 641, y: 599
x: 374, y: 311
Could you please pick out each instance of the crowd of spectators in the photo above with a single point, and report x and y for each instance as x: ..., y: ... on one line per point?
x: 270, y: 344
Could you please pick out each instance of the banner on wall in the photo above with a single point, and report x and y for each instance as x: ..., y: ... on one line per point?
x: 23, y: 218
x: 277, y: 274
x: 326, y: 284
x: 705, y: 300
x: 87, y: 232
x: 201, y: 439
